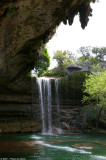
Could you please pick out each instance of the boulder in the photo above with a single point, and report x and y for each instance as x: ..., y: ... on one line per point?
x: 79, y: 67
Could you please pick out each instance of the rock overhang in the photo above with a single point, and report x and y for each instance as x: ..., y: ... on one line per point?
x: 26, y: 26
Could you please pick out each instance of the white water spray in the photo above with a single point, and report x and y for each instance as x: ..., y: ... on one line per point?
x: 44, y: 85
x: 57, y: 102
x: 40, y: 85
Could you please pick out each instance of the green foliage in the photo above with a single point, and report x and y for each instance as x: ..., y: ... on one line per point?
x: 59, y: 56
x: 85, y: 52
x: 89, y: 114
x: 70, y: 59
x: 86, y: 55
x: 95, y: 87
x: 92, y: 60
x: 54, y: 73
x: 42, y: 63
x: 99, y: 52
x: 92, y: 54
x: 64, y: 58
x: 77, y: 79
x: 97, y: 68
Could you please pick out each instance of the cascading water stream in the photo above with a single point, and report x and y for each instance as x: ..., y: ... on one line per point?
x: 57, y: 102
x: 44, y: 85
x: 45, y: 97
x: 49, y: 98
x: 40, y: 85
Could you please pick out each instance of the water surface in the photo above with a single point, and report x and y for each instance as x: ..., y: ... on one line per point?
x: 52, y: 147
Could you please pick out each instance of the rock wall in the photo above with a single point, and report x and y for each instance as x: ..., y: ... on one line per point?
x: 25, y: 27
x: 22, y: 113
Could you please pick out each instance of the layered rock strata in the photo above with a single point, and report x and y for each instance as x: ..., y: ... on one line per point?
x: 25, y: 27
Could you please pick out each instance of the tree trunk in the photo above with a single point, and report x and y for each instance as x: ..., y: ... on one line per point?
x: 98, y: 118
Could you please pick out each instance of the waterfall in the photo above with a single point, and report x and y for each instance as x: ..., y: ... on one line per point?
x: 40, y: 85
x: 45, y: 100
x: 57, y: 102
x: 48, y: 81
x: 44, y: 85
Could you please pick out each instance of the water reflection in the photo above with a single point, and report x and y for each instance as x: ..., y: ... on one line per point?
x: 19, y: 147
x: 38, y: 147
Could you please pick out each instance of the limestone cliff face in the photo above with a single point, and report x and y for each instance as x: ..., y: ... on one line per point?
x: 22, y: 113
x: 25, y: 27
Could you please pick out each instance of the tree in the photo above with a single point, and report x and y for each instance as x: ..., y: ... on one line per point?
x: 59, y: 56
x: 95, y: 87
x: 94, y: 55
x: 85, y: 52
x: 70, y: 59
x: 42, y: 63
x: 100, y: 53
x: 63, y: 58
